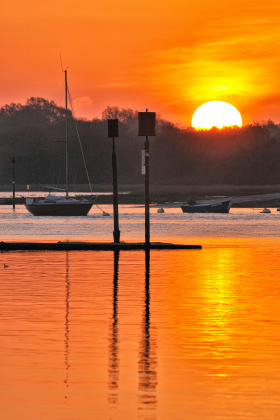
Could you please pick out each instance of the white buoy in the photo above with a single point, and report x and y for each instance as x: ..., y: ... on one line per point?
x: 266, y: 211
x: 161, y: 210
x: 278, y: 209
x: 106, y: 214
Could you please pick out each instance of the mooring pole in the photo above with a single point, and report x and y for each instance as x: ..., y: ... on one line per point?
x: 113, y: 131
x: 116, y: 233
x: 14, y: 184
x: 66, y: 135
x: 147, y: 191
x: 146, y: 127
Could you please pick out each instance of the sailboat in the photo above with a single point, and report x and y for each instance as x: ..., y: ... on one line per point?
x: 56, y: 205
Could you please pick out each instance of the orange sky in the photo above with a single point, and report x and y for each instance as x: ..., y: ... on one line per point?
x: 167, y: 56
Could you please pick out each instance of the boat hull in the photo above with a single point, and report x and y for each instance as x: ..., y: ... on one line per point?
x: 217, y: 207
x: 75, y: 209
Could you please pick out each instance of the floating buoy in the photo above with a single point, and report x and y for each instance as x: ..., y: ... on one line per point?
x: 160, y: 210
x: 266, y: 211
x: 278, y: 209
x: 106, y: 214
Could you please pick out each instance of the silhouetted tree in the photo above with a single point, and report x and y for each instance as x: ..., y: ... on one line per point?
x: 35, y: 134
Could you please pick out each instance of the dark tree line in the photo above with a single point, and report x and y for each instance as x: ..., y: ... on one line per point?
x: 34, y: 134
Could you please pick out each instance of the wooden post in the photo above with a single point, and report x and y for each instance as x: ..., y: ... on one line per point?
x: 147, y: 192
x: 147, y: 127
x: 113, y: 131
x: 116, y: 233
x: 14, y: 184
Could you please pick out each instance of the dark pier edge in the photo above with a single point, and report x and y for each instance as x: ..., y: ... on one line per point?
x: 90, y: 246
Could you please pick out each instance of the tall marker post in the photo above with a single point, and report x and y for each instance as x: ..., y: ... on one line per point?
x: 14, y: 184
x: 113, y: 131
x: 146, y: 127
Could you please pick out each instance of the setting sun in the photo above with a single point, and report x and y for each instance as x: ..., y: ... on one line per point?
x: 216, y: 114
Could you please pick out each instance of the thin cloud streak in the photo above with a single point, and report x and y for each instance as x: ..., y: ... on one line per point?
x: 234, y: 61
x: 170, y: 56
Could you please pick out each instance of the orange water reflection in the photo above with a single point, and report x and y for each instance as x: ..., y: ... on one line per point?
x: 147, y: 365
x: 186, y: 334
x: 114, y: 363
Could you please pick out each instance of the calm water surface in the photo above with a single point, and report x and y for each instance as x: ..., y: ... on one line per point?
x: 165, y: 335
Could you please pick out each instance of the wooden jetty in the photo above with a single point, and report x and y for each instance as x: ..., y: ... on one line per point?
x: 91, y: 246
x: 8, y: 201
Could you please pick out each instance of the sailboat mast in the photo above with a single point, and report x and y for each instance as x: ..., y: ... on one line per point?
x: 66, y: 121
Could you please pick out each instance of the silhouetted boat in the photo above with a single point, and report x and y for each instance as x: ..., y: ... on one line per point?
x: 222, y: 206
x: 266, y: 211
x: 55, y: 205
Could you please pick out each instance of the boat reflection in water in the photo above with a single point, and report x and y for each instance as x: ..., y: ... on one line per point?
x: 147, y: 353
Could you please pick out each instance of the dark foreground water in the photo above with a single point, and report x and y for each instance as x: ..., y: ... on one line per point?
x: 165, y: 335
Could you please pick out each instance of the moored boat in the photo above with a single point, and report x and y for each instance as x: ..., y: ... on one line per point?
x: 265, y: 210
x: 55, y: 205
x: 222, y: 206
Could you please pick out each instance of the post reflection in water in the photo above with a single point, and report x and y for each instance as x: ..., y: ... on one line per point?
x: 198, y: 339
x: 66, y: 360
x: 114, y: 340
x: 147, y: 354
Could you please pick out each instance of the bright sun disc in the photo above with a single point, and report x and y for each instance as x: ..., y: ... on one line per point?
x: 216, y: 114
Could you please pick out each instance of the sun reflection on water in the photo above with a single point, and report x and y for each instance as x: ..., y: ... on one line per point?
x: 97, y: 335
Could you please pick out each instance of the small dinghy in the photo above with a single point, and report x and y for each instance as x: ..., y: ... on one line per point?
x: 192, y: 206
x: 266, y: 211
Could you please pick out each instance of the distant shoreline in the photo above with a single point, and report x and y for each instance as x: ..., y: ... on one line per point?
x: 244, y: 196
